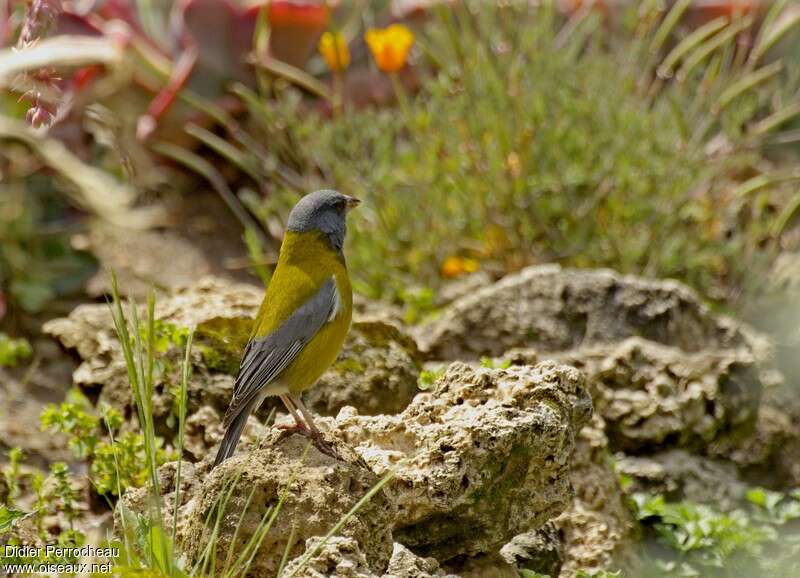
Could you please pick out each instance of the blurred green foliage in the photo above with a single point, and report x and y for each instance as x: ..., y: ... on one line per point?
x: 117, y: 458
x: 696, y: 540
x: 428, y: 377
x: 13, y: 351
x: 37, y: 262
x: 556, y: 144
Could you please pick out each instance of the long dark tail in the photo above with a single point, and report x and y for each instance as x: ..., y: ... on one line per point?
x: 232, y: 435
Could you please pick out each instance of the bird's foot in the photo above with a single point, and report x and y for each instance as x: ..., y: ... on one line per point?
x: 316, y: 437
x: 325, y: 446
x: 295, y: 427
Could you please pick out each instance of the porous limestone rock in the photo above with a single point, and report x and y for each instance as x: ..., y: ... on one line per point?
x: 481, y: 458
x: 482, y: 566
x: 554, y: 309
x: 679, y: 475
x: 540, y: 551
x: 405, y: 564
x: 651, y: 394
x: 342, y: 557
x: 339, y: 556
x: 597, y: 527
x: 317, y: 491
x: 770, y: 456
x: 595, y: 532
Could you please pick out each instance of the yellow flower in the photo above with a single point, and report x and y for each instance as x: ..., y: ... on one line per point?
x: 390, y: 46
x: 455, y: 266
x: 333, y: 48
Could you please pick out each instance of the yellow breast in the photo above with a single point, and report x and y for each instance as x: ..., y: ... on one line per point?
x: 306, y: 261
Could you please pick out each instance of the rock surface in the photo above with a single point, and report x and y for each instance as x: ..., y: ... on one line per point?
x: 770, y: 456
x: 597, y: 527
x: 89, y: 330
x: 483, y: 457
x: 342, y: 558
x: 655, y: 395
x: 680, y: 475
x: 405, y: 564
x: 483, y: 566
x: 317, y: 492
x: 555, y: 309
x: 541, y: 551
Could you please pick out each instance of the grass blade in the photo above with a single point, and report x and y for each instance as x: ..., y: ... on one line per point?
x: 668, y: 25
x: 707, y: 48
x: 688, y: 44
x: 293, y: 75
x: 745, y: 83
x: 182, y: 400
x: 225, y: 149
x: 769, y: 36
x: 776, y: 119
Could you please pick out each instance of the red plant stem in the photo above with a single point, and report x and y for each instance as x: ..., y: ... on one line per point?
x: 160, y: 104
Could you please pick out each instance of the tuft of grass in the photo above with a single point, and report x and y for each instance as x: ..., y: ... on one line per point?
x: 138, y: 342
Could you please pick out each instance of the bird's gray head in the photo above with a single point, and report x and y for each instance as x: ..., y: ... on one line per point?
x: 324, y: 211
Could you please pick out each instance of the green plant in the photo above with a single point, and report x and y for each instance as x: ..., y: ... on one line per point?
x: 697, y: 540
x: 428, y: 377
x: 37, y: 262
x: 531, y: 574
x: 55, y: 507
x: 75, y: 418
x: 11, y: 476
x: 642, y: 151
x: 13, y: 351
x: 775, y: 507
x: 490, y: 363
x: 116, y: 459
x: 67, y: 500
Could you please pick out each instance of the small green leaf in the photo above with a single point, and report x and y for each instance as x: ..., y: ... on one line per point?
x: 7, y: 517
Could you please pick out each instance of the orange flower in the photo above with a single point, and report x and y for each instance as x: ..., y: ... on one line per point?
x: 390, y: 46
x: 455, y: 266
x: 333, y: 48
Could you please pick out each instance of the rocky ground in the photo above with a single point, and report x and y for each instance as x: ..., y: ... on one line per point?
x: 501, y: 465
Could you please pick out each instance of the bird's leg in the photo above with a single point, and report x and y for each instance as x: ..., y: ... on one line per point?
x: 298, y: 402
x: 298, y: 425
x: 320, y: 442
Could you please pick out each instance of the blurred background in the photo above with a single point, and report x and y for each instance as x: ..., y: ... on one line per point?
x: 167, y: 141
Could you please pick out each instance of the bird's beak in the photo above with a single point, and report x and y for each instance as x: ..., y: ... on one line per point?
x: 352, y: 203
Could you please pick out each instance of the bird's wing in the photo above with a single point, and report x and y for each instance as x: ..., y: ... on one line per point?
x: 266, y: 357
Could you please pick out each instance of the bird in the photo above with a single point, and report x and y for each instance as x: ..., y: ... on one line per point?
x: 302, y: 322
